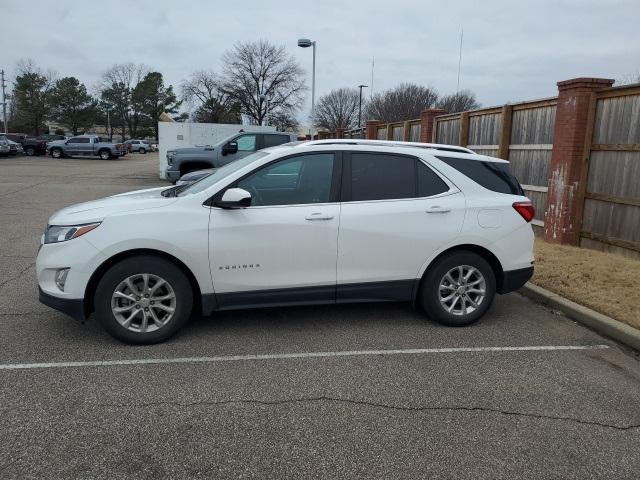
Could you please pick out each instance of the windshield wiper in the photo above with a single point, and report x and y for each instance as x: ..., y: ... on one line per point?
x: 170, y: 192
x: 174, y: 191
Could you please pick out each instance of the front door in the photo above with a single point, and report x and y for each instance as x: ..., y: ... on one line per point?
x: 397, y: 212
x: 283, y: 247
x: 74, y: 146
x: 247, y: 144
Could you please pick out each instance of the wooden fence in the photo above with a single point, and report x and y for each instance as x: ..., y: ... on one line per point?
x: 611, y: 212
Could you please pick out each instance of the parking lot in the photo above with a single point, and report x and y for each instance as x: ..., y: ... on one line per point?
x: 356, y: 391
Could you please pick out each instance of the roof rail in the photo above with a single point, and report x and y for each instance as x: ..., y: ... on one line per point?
x: 390, y: 143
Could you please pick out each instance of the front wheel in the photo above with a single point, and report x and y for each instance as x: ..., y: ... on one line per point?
x: 105, y: 154
x: 56, y: 153
x: 142, y: 150
x: 458, y: 289
x: 143, y: 300
x: 30, y: 151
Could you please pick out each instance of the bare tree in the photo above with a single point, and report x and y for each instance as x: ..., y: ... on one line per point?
x: 260, y: 76
x: 629, y: 79
x: 116, y: 89
x: 405, y: 102
x: 212, y: 104
x: 337, y: 109
x: 459, y: 102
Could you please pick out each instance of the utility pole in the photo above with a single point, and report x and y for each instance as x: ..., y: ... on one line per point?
x: 109, y: 125
x: 4, y: 102
x: 360, y: 106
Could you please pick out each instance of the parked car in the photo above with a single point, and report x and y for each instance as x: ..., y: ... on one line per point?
x: 140, y: 146
x: 192, y: 177
x: 34, y: 145
x: 86, y: 146
x: 322, y: 222
x: 15, y: 148
x: 185, y: 160
x: 4, y: 146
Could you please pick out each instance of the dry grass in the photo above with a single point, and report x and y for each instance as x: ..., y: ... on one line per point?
x: 605, y: 282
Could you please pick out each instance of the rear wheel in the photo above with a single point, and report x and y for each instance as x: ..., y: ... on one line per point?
x: 142, y: 150
x: 143, y: 300
x: 56, y: 153
x: 458, y: 289
x: 105, y: 154
x: 30, y: 151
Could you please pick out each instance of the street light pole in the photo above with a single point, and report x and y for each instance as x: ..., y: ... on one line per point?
x: 360, y: 107
x: 305, y: 43
x: 4, y: 102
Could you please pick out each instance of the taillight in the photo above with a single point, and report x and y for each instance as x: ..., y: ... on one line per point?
x: 525, y: 209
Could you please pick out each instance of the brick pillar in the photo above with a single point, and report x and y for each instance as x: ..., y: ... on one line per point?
x: 372, y: 129
x: 340, y: 132
x: 323, y: 135
x: 569, y: 158
x: 427, y: 120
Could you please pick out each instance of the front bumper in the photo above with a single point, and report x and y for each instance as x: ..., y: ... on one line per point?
x: 173, y: 175
x: 70, y: 306
x: 512, y: 280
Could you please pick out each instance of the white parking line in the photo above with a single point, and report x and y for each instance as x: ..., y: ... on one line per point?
x: 278, y: 356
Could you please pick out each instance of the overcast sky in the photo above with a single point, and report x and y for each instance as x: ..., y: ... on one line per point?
x: 512, y: 50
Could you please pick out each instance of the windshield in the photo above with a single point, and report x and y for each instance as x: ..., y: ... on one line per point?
x: 220, y: 173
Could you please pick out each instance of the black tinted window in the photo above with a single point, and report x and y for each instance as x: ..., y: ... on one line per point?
x: 380, y: 177
x: 491, y: 175
x: 293, y: 181
x: 429, y: 183
x: 273, y: 140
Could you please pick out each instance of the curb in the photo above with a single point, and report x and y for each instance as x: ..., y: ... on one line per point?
x: 602, y: 324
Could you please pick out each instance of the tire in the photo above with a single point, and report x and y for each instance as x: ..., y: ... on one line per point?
x: 142, y: 150
x: 135, y: 269
x: 56, y: 153
x: 104, y: 154
x: 436, y: 289
x: 30, y: 151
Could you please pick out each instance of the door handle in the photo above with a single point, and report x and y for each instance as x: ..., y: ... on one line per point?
x: 319, y: 216
x: 438, y: 209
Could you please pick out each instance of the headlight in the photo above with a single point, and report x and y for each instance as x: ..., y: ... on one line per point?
x: 170, y: 154
x: 62, y: 233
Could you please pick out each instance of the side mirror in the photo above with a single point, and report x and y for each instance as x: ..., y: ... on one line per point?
x: 234, y: 198
x: 230, y: 147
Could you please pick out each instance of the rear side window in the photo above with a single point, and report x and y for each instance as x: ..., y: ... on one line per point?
x: 493, y: 176
x: 384, y: 177
x: 273, y: 140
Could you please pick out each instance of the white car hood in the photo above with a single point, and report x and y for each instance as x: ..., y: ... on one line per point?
x: 97, y: 210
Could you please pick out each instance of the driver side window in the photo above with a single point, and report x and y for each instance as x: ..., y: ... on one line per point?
x: 294, y: 181
x: 246, y: 143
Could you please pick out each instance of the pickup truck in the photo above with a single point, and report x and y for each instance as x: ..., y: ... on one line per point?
x: 33, y: 145
x: 86, y: 146
x: 181, y: 161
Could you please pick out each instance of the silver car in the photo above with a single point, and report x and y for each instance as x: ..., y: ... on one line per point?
x: 4, y: 146
x: 140, y: 146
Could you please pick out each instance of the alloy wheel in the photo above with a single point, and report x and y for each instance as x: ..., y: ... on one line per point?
x: 143, y: 303
x: 462, y: 289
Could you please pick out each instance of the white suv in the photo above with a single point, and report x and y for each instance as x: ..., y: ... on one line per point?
x: 318, y: 222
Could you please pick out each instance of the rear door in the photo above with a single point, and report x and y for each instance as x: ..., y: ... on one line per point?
x: 396, y: 212
x: 273, y: 139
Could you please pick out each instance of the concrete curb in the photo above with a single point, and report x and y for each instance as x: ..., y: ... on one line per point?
x: 600, y: 323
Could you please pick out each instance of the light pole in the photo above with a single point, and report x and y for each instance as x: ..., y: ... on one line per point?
x: 305, y: 43
x: 265, y: 99
x: 360, y: 107
x: 4, y: 102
